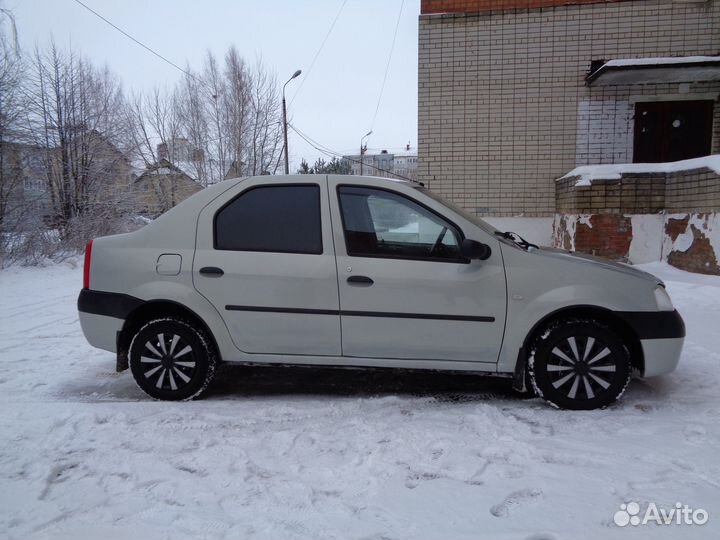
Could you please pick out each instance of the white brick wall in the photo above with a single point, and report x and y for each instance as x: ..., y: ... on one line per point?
x: 604, y: 132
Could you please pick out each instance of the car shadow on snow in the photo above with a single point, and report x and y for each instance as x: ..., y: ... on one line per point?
x: 238, y: 382
x: 235, y: 382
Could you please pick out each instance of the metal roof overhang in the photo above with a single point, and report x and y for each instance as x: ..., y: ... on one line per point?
x: 655, y: 72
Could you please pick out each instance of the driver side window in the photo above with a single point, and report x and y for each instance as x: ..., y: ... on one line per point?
x: 379, y: 223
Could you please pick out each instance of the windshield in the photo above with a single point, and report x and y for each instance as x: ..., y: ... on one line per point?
x: 475, y: 220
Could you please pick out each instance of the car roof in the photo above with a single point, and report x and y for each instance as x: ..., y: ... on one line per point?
x: 368, y: 179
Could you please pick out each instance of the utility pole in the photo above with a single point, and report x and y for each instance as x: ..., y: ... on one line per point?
x: 362, y: 150
x: 287, y: 159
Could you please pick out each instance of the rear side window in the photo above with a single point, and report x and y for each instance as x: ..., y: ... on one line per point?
x: 284, y: 219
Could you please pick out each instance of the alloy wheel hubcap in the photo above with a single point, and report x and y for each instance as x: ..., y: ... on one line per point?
x: 581, y: 367
x: 168, y: 361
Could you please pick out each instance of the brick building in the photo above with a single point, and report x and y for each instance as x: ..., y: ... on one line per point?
x: 515, y: 94
x: 504, y: 104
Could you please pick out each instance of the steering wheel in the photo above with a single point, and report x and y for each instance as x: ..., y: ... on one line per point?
x: 439, y: 240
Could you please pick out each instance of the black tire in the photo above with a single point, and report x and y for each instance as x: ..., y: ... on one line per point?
x: 172, y: 359
x: 579, y: 365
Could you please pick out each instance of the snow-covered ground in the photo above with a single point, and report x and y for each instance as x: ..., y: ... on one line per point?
x: 285, y: 455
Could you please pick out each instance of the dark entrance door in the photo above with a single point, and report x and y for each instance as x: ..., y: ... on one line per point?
x: 672, y: 130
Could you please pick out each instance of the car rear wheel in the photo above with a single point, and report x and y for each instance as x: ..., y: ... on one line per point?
x: 579, y: 365
x: 171, y: 359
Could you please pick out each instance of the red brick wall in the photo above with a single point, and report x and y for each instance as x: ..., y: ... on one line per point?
x: 602, y: 235
x: 610, y: 236
x: 700, y: 257
x: 428, y: 7
x: 607, y: 235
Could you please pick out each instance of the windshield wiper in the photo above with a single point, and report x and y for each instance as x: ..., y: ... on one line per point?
x: 516, y: 239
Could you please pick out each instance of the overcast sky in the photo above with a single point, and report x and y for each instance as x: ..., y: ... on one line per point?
x: 337, y: 101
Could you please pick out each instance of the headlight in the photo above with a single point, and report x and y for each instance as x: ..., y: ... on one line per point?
x: 663, y: 299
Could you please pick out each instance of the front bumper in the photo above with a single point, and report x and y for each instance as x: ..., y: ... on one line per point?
x: 661, y: 355
x: 661, y: 335
x: 654, y: 324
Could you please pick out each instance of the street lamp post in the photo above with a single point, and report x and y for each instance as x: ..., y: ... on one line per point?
x: 362, y: 151
x: 287, y: 159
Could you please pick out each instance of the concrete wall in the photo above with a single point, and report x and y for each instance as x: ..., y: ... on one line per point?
x: 503, y: 105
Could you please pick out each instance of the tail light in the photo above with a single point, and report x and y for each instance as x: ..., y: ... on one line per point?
x: 86, y: 267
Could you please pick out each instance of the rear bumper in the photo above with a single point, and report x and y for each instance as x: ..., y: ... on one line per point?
x: 101, y: 331
x: 109, y: 304
x: 102, y: 315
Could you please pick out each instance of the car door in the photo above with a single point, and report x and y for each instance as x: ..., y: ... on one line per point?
x: 265, y: 259
x: 405, y: 290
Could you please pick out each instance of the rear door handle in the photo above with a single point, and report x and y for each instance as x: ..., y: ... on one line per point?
x: 211, y: 271
x: 362, y: 281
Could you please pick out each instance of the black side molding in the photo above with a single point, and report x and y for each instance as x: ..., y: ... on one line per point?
x: 262, y: 309
x: 380, y: 314
x: 109, y: 304
x: 654, y: 324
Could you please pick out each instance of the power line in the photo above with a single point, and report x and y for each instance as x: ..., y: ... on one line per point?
x: 317, y: 53
x: 313, y: 142
x: 150, y: 50
x: 331, y: 153
x: 387, y: 66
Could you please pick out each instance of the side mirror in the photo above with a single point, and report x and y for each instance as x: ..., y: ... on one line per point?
x: 471, y: 249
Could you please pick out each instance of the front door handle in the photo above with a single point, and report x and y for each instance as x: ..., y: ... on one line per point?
x: 362, y: 281
x: 213, y: 271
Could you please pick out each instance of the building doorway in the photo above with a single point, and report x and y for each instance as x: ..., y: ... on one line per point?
x: 672, y: 130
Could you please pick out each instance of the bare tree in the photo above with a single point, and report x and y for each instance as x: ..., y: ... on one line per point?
x: 229, y: 117
x: 12, y: 107
x: 69, y: 123
x: 77, y: 115
x: 265, y: 113
x: 192, y: 111
x: 156, y: 133
x: 213, y: 88
x: 237, y: 106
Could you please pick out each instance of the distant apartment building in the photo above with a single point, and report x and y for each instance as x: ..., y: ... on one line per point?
x: 402, y: 164
x: 515, y: 94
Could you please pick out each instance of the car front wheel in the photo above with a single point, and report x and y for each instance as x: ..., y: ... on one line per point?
x: 172, y: 359
x: 579, y: 365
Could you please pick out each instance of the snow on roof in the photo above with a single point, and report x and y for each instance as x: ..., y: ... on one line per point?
x: 624, y: 62
x: 588, y: 173
x: 187, y: 167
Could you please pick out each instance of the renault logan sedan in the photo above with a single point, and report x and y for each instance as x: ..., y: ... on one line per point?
x: 366, y: 272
